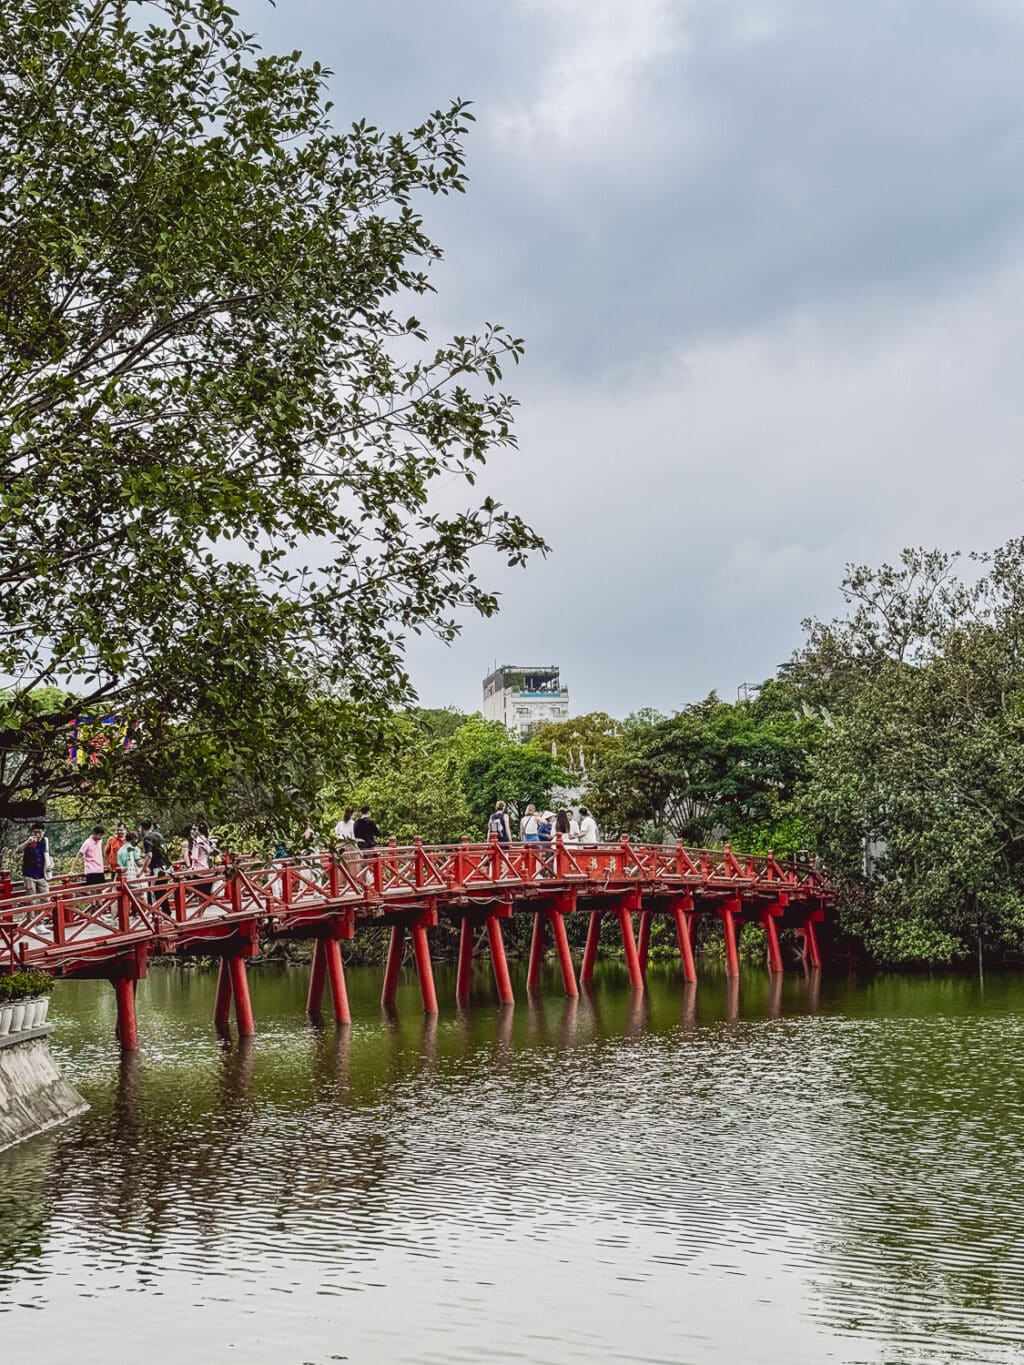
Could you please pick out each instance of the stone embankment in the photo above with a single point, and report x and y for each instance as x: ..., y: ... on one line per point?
x: 34, y: 1096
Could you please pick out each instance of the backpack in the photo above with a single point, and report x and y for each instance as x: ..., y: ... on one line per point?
x: 497, y: 824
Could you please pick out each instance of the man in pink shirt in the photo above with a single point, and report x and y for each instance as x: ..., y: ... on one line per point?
x: 91, y: 854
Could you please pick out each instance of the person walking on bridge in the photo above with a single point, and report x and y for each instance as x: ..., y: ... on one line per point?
x: 130, y: 857
x: 91, y: 854
x: 36, y: 863
x: 113, y: 847
x: 498, y: 825
x: 154, y: 855
x: 345, y: 829
x: 588, y: 827
x: 528, y: 825
x: 566, y: 826
x: 365, y: 829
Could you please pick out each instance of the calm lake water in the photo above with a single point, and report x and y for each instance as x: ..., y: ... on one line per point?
x: 825, y: 1172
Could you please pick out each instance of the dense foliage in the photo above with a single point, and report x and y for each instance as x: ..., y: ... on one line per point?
x: 446, y: 775
x: 916, y: 791
x: 220, y: 424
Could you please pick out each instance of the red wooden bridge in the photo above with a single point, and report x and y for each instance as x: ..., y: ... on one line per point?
x: 111, y: 930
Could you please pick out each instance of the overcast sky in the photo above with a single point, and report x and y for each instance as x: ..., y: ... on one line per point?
x: 768, y: 259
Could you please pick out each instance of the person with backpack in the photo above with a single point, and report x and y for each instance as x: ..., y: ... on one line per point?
x: 498, y: 825
x: 36, y: 863
x: 130, y: 857
x: 154, y: 855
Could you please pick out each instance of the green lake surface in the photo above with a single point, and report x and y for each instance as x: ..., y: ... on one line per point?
x: 805, y: 1171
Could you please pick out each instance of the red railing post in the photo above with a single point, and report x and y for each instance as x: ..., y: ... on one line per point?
x: 124, y: 904
x: 418, y: 860
x: 333, y: 875
x: 233, y: 891
x: 58, y: 921
x: 181, y: 902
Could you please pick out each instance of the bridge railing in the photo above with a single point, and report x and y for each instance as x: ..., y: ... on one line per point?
x: 79, y: 916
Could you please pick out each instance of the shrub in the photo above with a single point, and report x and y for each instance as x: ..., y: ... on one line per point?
x: 24, y: 985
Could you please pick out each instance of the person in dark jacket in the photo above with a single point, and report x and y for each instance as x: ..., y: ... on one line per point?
x: 365, y: 830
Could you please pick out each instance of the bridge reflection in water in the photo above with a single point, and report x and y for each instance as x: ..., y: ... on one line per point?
x: 111, y: 930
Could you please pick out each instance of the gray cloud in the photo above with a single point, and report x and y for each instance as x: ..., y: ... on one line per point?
x: 767, y: 257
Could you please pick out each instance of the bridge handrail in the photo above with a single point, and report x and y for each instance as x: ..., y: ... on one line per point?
x: 75, y: 915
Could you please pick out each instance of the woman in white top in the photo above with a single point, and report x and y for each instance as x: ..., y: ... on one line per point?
x: 528, y: 826
x: 345, y: 829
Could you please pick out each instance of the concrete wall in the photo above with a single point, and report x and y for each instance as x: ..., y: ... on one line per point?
x: 34, y: 1095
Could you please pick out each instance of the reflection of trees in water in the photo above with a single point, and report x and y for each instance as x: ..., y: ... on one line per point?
x: 920, y: 1205
x: 26, y: 1203
x: 713, y: 1114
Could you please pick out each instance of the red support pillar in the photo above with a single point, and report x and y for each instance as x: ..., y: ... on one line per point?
x: 772, y: 933
x: 424, y: 967
x: 336, y: 976
x: 317, y: 972
x: 127, y: 1020
x: 644, y: 947
x: 636, y: 979
x: 811, y: 940
x: 732, y: 957
x: 564, y: 955
x: 536, y: 952
x: 240, y: 990
x: 497, y: 945
x: 590, y: 951
x: 462, y: 984
x: 681, y: 917
x: 222, y: 1008
x: 394, y: 966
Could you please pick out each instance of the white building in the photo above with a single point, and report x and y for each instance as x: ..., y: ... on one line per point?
x: 522, y: 697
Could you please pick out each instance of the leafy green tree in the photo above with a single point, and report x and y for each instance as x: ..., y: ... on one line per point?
x: 915, y: 792
x: 219, y: 436
x: 493, y: 766
x: 715, y: 771
x: 415, y: 791
x: 580, y: 741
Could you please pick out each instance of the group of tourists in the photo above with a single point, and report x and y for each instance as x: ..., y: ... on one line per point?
x: 541, y: 827
x: 143, y: 853
x: 361, y: 830
x: 138, y: 853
